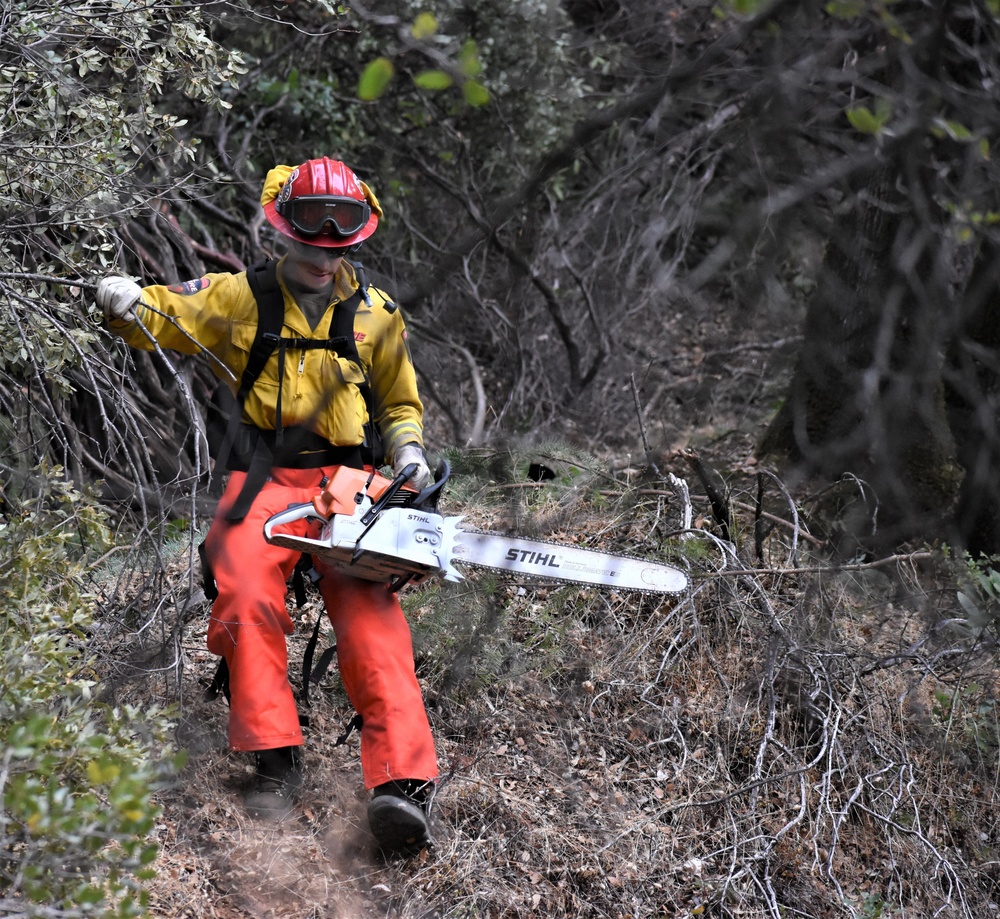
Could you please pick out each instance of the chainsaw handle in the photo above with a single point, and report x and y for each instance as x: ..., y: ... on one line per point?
x: 371, y: 515
x: 428, y: 498
x: 290, y: 514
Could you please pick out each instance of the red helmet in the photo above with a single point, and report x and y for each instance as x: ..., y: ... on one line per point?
x: 323, y: 203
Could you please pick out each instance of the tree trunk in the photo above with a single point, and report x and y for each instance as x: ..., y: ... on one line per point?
x: 973, y: 398
x: 867, y: 397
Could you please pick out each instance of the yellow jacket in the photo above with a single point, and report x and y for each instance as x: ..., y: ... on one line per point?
x: 320, y: 389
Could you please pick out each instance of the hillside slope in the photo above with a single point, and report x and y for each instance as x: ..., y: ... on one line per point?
x: 787, y: 739
x: 808, y: 732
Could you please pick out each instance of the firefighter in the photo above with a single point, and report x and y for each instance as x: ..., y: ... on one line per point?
x: 313, y: 399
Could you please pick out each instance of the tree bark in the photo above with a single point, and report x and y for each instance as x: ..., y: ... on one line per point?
x: 867, y: 396
x: 972, y: 389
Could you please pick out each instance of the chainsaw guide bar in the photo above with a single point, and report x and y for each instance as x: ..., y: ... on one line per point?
x: 380, y: 530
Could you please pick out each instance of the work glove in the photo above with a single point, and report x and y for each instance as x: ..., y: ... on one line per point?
x: 413, y: 453
x: 116, y: 296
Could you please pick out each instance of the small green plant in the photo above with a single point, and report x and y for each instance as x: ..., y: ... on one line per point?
x: 980, y: 598
x: 461, y: 635
x: 969, y: 716
x: 464, y: 68
x: 873, y: 908
x: 77, y: 777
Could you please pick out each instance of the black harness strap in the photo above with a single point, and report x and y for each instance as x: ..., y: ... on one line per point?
x: 263, y: 280
x: 312, y: 674
x: 220, y: 683
x: 355, y: 724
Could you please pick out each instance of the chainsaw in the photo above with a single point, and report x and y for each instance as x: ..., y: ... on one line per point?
x: 381, y: 529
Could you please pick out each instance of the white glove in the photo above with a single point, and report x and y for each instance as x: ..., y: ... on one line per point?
x: 116, y: 296
x: 413, y: 453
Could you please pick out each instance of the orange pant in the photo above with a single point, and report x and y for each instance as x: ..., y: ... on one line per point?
x: 250, y: 621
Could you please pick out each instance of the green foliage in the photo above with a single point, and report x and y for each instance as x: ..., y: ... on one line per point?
x: 30, y: 342
x: 873, y: 908
x: 967, y: 711
x: 516, y: 61
x: 424, y: 26
x: 970, y: 720
x: 433, y: 79
x: 67, y: 77
x: 375, y: 79
x: 83, y: 118
x: 351, y: 90
x: 740, y: 8
x: 78, y: 776
x: 379, y: 73
x: 979, y: 597
x: 845, y: 9
x: 870, y: 122
x: 461, y: 634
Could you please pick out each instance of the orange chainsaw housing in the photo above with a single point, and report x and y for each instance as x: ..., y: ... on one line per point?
x: 341, y: 493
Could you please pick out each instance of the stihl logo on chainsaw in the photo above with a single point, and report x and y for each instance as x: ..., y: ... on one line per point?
x: 382, y: 530
x: 527, y: 557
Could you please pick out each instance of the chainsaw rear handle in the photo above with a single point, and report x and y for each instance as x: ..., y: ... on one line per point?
x: 428, y: 497
x: 290, y: 514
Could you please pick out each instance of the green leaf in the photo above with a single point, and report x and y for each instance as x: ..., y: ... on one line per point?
x: 475, y: 93
x: 424, y: 26
x: 895, y: 28
x: 103, y: 771
x: 868, y: 122
x: 967, y: 604
x: 863, y: 120
x: 375, y: 79
x: 468, y: 59
x: 433, y: 79
x: 739, y: 7
x: 956, y: 130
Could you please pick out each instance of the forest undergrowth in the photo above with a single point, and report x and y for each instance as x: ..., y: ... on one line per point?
x: 808, y: 731
x: 798, y: 735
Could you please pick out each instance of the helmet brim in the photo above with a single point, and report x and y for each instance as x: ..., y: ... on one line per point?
x: 323, y: 239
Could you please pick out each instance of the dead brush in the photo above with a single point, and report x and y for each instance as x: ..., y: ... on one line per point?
x: 796, y: 738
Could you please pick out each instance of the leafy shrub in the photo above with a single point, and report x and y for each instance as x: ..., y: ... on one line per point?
x: 77, y: 777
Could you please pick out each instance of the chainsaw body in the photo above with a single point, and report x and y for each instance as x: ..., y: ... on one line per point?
x: 379, y: 529
x: 369, y: 528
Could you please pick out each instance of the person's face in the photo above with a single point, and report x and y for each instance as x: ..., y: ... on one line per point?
x: 311, y: 267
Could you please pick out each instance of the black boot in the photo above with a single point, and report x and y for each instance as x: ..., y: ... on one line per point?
x: 278, y: 780
x: 397, y: 815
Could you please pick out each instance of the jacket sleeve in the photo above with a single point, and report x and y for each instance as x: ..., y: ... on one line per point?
x: 397, y: 406
x: 191, y: 317
x: 194, y: 317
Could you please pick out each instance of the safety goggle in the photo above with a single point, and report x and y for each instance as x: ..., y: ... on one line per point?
x: 310, y: 214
